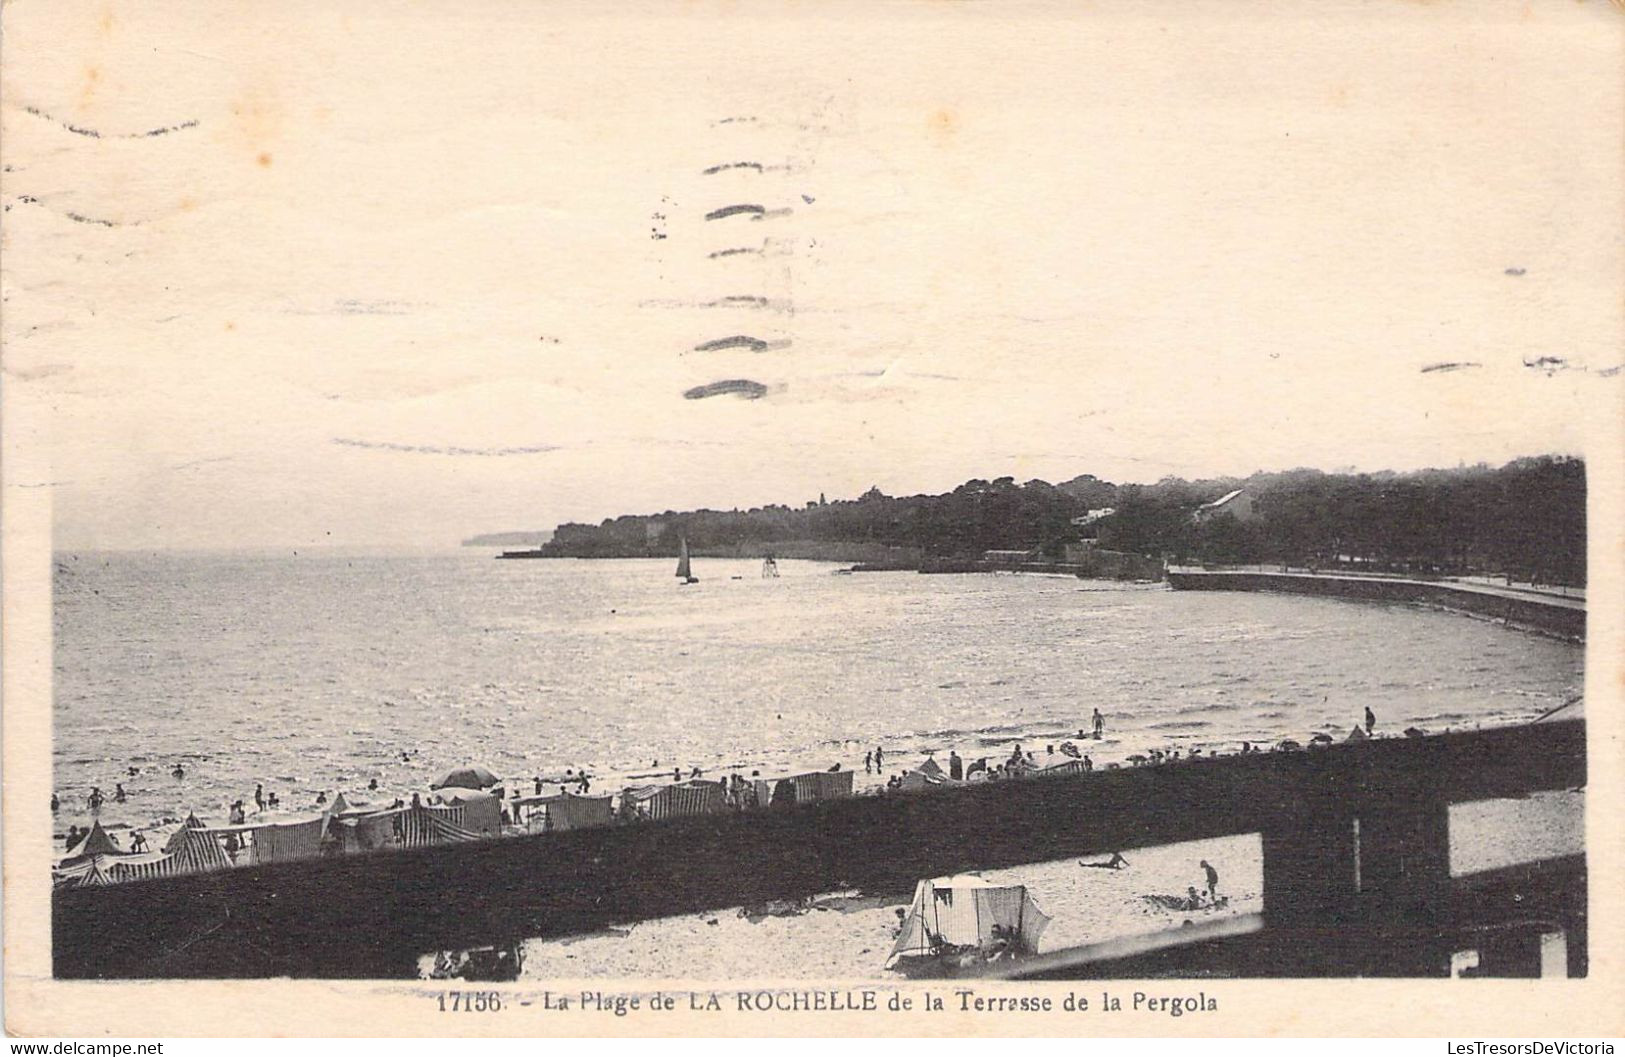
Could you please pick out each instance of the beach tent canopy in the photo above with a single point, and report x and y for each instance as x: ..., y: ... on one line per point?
x: 932, y: 768
x: 921, y: 779
x: 466, y: 778
x: 482, y: 812
x: 695, y: 797
x: 963, y: 912
x: 1358, y: 735
x: 464, y: 795
x: 96, y: 842
x: 566, y: 811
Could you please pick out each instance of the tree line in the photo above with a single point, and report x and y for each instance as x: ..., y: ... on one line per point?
x: 1526, y: 518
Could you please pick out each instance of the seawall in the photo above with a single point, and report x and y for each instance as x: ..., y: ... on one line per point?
x: 1560, y: 617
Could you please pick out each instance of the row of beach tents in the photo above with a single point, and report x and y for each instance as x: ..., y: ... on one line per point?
x: 453, y: 814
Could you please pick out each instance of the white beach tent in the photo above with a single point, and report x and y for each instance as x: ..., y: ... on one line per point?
x: 964, y: 911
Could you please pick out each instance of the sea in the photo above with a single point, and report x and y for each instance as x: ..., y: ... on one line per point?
x: 317, y: 672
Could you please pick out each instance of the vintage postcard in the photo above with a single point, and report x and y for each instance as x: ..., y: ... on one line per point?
x: 789, y: 518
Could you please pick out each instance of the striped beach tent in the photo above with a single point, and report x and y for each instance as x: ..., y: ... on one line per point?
x: 475, y: 810
x: 656, y: 802
x: 822, y: 785
x: 423, y: 827
x: 366, y: 833
x: 288, y: 841
x: 92, y: 871
x: 139, y: 867
x: 566, y: 811
x: 193, y: 850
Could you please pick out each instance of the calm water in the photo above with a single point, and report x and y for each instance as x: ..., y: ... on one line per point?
x: 314, y: 673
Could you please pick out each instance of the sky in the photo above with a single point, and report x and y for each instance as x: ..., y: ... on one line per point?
x: 285, y: 275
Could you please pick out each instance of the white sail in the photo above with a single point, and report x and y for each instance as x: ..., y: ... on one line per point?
x: 682, y: 559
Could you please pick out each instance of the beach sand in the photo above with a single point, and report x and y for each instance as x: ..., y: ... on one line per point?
x: 847, y: 937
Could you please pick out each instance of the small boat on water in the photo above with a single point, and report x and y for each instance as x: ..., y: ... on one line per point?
x: 770, y: 568
x: 684, y: 571
x: 959, y: 923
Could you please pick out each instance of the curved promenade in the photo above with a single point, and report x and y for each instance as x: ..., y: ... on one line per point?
x: 1551, y: 614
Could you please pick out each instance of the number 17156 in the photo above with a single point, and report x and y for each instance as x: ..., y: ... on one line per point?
x: 470, y: 1001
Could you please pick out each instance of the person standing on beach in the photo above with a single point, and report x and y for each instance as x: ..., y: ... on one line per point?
x: 1100, y: 724
x: 259, y: 796
x: 1212, y: 880
x: 1370, y: 719
x: 868, y: 762
x: 956, y: 766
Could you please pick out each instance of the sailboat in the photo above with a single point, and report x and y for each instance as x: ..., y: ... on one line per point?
x: 683, y: 572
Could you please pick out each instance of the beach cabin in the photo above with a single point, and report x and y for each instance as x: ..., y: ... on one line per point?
x: 564, y: 811
x: 804, y: 788
x: 654, y: 802
x: 481, y: 812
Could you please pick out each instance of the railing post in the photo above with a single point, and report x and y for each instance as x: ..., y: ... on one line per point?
x: 1310, y: 893
x: 1404, y: 863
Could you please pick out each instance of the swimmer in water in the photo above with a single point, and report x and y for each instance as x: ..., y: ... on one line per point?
x: 259, y: 796
x: 119, y: 795
x: 179, y: 771
x: 373, y: 785
x: 55, y: 804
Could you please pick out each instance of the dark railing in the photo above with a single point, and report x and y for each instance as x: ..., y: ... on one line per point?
x: 1355, y: 840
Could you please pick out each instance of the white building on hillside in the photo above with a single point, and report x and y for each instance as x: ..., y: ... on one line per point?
x: 1238, y: 504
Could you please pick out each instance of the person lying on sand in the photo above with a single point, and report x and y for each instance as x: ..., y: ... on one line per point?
x: 1116, y: 862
